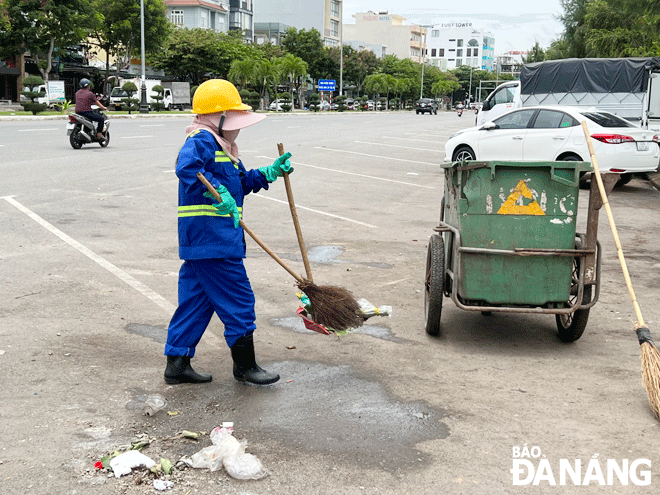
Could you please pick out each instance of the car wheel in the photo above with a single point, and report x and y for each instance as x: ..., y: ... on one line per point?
x: 623, y: 180
x: 464, y: 153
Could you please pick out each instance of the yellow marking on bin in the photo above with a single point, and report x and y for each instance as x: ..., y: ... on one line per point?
x: 510, y: 206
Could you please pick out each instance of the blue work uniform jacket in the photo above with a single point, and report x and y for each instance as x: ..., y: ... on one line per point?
x: 203, y: 232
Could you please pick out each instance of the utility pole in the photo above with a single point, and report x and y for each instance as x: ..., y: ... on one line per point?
x: 144, y: 106
x: 421, y: 50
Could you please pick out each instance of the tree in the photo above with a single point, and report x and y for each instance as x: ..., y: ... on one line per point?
x: 43, y: 27
x: 295, y: 70
x: 307, y: 45
x: 243, y: 72
x: 535, y: 54
x: 194, y: 55
x: 32, y: 82
x: 357, y: 66
x: 117, y: 30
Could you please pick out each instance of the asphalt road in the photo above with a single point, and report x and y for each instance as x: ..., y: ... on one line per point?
x: 89, y: 262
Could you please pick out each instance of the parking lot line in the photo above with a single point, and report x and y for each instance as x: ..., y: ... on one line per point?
x: 409, y: 139
x: 374, y: 156
x: 318, y: 211
x: 397, y: 146
x: 371, y: 177
x: 116, y: 271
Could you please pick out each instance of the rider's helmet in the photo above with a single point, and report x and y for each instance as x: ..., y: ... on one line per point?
x: 217, y: 95
x: 84, y: 82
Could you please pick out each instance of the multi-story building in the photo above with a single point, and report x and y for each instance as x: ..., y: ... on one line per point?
x: 322, y: 15
x: 359, y: 46
x: 382, y: 28
x: 241, y: 18
x: 206, y: 14
x: 453, y: 44
x: 510, y: 63
x: 269, y: 32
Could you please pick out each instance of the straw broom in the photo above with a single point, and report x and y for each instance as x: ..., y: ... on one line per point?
x: 334, y: 307
x: 650, y: 357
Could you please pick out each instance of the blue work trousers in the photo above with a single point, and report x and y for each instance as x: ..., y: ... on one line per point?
x: 96, y: 117
x: 207, y: 286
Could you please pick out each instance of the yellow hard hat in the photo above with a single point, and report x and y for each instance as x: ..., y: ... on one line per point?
x: 217, y: 95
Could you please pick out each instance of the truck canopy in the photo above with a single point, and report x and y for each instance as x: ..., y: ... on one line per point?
x: 617, y: 85
x: 588, y: 75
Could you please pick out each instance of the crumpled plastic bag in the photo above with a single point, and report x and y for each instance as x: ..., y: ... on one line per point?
x: 245, y: 467
x: 211, y: 457
x: 370, y: 310
x: 123, y: 463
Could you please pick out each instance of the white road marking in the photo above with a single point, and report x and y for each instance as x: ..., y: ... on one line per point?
x: 135, y: 137
x: 409, y: 139
x: 35, y: 130
x: 353, y: 173
x: 116, y: 271
x: 374, y: 156
x: 318, y: 211
x: 397, y: 146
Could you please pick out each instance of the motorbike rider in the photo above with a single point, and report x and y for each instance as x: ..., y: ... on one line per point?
x: 85, y: 98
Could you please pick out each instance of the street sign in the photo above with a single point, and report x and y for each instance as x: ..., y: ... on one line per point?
x: 327, y: 84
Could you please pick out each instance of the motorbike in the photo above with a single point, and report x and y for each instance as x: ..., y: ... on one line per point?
x: 459, y: 112
x: 81, y: 130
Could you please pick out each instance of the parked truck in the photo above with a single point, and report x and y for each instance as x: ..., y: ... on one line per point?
x: 627, y: 87
x: 118, y: 95
x: 176, y: 95
x: 53, y: 94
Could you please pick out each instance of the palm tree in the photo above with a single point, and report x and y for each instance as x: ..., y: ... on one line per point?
x: 295, y: 70
x: 242, y: 72
x: 267, y: 72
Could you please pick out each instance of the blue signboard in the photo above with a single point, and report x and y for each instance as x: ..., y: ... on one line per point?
x: 327, y: 84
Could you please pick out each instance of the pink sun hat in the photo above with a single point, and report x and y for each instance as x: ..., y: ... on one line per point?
x: 240, y: 119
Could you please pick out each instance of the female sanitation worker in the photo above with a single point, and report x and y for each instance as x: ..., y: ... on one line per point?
x: 211, y: 241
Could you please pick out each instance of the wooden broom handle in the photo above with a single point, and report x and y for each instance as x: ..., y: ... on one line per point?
x: 606, y: 204
x: 216, y: 195
x: 294, y: 214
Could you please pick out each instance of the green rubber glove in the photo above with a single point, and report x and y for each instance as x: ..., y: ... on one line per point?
x: 228, y: 205
x: 277, y: 169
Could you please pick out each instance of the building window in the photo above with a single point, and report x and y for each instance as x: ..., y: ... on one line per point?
x: 459, y: 42
x: 468, y: 52
x: 334, y: 8
x: 435, y: 33
x: 452, y: 40
x: 441, y: 52
x: 334, y: 28
x: 459, y: 62
x: 475, y: 52
x: 204, y: 20
x: 177, y: 17
x: 473, y: 42
x: 433, y: 52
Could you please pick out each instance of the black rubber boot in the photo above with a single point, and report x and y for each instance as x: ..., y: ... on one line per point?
x: 245, y: 367
x: 179, y: 371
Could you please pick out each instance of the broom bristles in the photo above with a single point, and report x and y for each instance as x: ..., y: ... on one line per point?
x: 650, y: 358
x: 334, y: 307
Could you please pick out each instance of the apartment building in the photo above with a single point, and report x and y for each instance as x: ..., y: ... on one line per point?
x: 322, y: 15
x: 206, y: 14
x: 382, y: 28
x: 453, y: 44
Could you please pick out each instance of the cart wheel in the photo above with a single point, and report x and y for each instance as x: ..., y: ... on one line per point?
x: 435, y: 276
x: 570, y: 327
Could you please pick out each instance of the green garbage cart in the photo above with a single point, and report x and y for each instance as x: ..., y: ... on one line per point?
x: 507, y: 241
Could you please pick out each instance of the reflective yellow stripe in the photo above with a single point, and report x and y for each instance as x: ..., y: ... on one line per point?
x: 221, y: 157
x: 203, y: 211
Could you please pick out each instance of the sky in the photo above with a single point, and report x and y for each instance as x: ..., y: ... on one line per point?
x: 515, y: 24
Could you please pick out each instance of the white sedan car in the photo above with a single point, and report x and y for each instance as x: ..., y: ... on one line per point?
x: 554, y: 133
